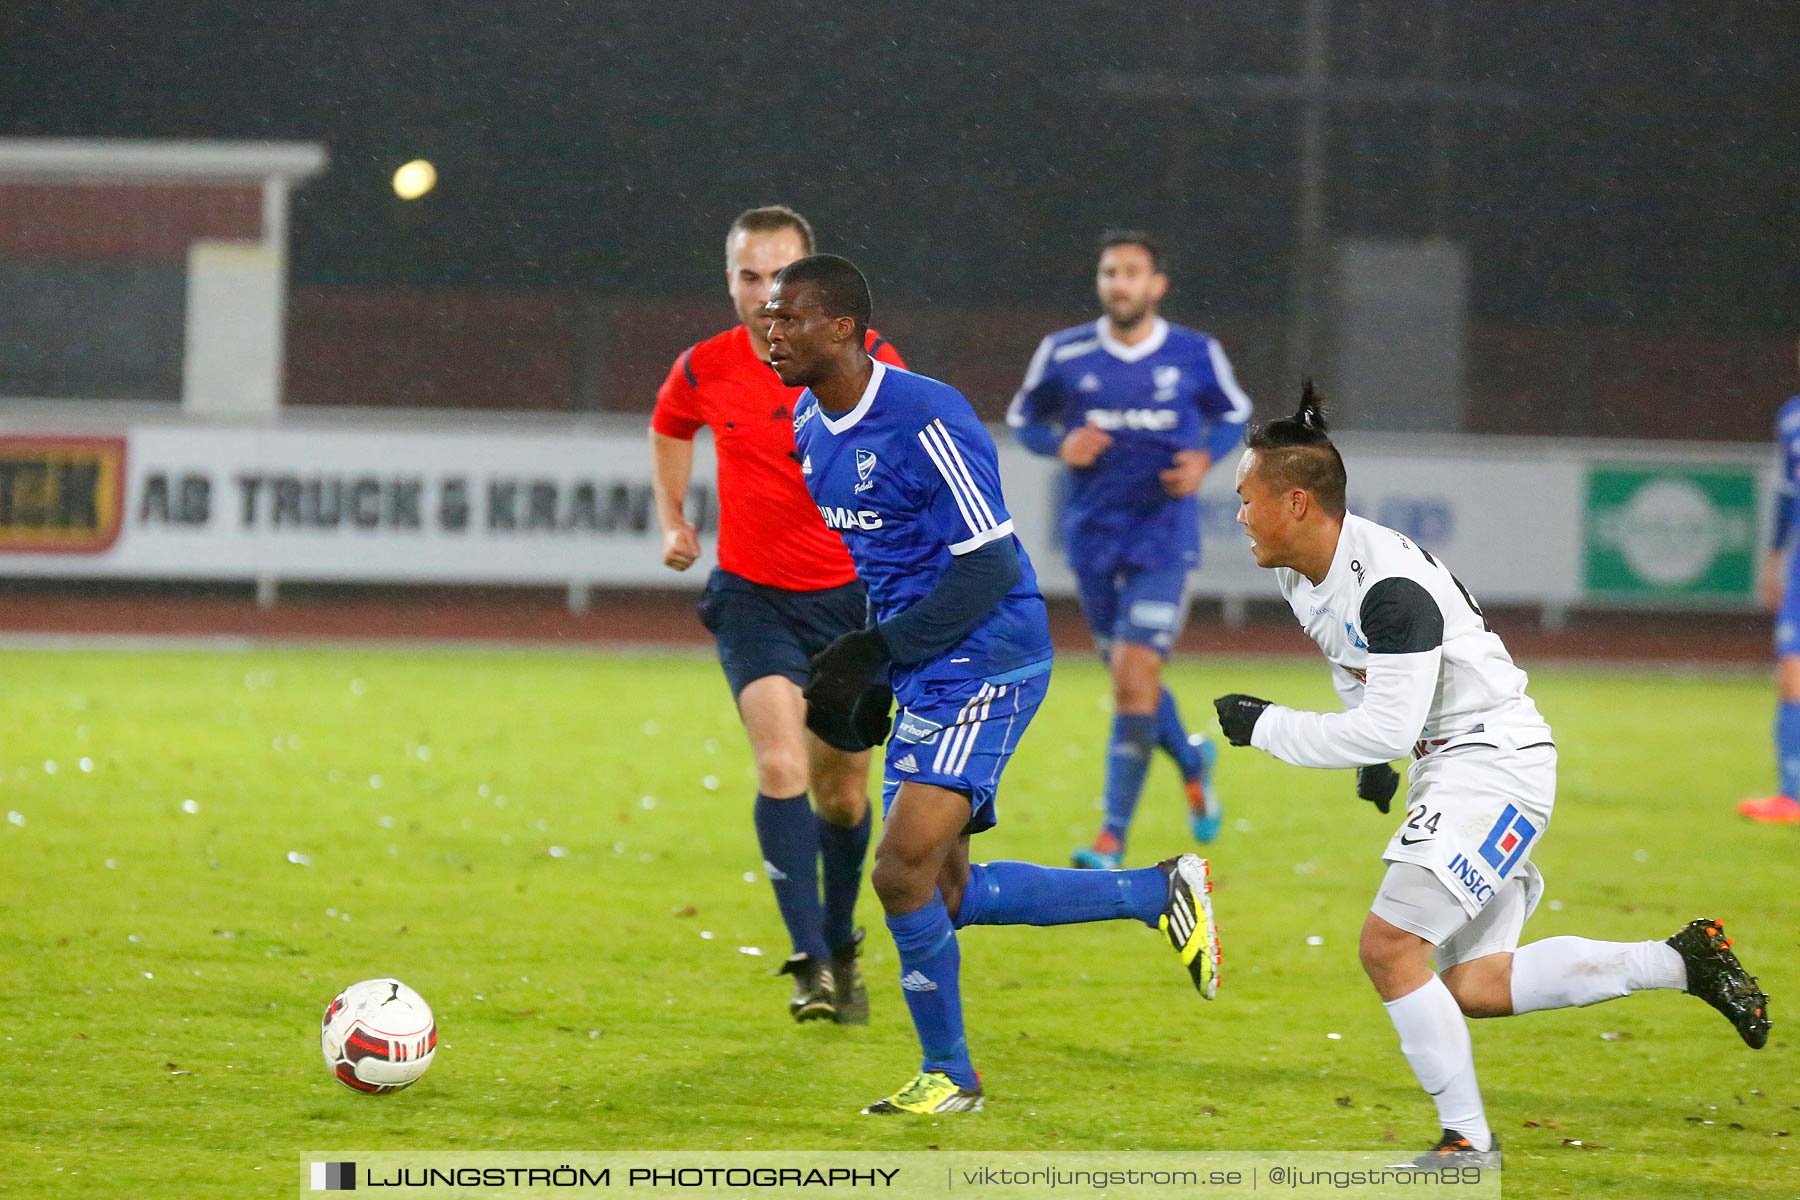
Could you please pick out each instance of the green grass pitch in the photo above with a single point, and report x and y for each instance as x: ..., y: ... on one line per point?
x: 557, y: 851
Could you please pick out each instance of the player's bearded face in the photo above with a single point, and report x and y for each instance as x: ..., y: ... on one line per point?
x: 752, y: 260
x: 1129, y: 285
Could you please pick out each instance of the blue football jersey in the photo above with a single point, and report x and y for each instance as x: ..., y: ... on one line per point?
x: 1787, y: 495
x: 910, y: 478
x: 1172, y: 391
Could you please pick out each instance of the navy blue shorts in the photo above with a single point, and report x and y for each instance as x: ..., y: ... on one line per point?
x: 1143, y: 607
x: 762, y: 630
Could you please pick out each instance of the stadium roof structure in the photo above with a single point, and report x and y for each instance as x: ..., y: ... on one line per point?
x: 91, y: 160
x: 198, y: 227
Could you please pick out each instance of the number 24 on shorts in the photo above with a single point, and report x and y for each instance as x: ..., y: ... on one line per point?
x: 1422, y: 821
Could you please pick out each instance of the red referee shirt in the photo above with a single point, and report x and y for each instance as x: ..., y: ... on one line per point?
x: 769, y: 528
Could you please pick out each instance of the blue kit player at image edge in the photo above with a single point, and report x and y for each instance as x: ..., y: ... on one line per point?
x: 1130, y: 544
x: 1782, y: 571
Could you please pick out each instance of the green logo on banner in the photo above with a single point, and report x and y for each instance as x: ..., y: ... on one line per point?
x: 1670, y: 531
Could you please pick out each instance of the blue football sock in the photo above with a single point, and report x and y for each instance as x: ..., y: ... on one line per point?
x: 1019, y: 893
x: 1173, y: 736
x: 1127, y: 760
x: 931, y: 977
x: 842, y: 849
x: 1787, y: 746
x: 788, y: 834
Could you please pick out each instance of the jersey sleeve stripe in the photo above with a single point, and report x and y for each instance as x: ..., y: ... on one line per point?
x: 1240, y: 403
x: 961, y: 469
x: 1034, y: 375
x: 962, y: 504
x: 687, y: 367
x: 975, y: 512
x: 981, y: 539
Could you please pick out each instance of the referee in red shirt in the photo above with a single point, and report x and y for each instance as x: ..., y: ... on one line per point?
x: 783, y: 590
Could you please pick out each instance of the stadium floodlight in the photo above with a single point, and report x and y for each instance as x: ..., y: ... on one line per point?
x: 413, y: 179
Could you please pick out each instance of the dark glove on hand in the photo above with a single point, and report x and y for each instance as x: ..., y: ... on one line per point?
x: 863, y: 727
x: 1237, y: 716
x: 842, y: 670
x: 1377, y: 784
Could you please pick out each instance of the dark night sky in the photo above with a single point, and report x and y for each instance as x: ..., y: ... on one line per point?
x: 967, y: 151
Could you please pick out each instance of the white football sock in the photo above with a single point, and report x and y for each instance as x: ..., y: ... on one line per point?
x: 1435, y: 1039
x: 1572, y: 972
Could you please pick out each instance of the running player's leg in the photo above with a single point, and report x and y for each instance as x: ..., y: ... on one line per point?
x: 1491, y: 975
x: 1136, y: 681
x: 1148, y: 608
x: 765, y: 664
x: 787, y: 831
x: 1783, y: 808
x: 841, y: 792
x: 942, y: 773
x: 921, y: 828
x: 1099, y: 591
x: 1160, y: 631
x: 1412, y: 915
x: 840, y: 779
x: 840, y: 789
x: 966, y: 757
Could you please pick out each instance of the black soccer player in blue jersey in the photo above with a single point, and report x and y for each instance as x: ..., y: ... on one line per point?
x: 901, y: 467
x: 1140, y: 410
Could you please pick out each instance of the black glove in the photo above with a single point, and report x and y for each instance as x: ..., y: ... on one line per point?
x: 1237, y: 716
x: 863, y: 726
x: 1377, y: 784
x: 842, y: 670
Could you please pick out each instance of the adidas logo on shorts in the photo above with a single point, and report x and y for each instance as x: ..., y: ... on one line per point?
x: 907, y: 764
x: 915, y: 981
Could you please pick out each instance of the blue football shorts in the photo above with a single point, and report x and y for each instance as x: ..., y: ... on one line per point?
x: 1145, y: 607
x: 959, y: 734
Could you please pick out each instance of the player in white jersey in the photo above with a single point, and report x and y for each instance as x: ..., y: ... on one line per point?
x: 1421, y: 672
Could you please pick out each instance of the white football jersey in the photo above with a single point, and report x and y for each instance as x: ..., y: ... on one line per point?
x: 1412, y: 656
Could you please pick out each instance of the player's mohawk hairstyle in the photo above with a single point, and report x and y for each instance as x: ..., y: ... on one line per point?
x: 1297, y: 452
x: 1307, y: 427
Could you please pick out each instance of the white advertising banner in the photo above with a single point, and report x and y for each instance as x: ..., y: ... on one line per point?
x: 373, y: 506
x: 1520, y: 521
x: 1510, y: 527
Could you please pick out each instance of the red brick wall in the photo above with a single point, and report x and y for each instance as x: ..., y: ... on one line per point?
x: 401, y: 348
x: 561, y: 351
x: 128, y: 221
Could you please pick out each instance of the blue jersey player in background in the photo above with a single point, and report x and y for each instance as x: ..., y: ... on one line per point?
x: 899, y: 465
x: 1140, y: 410
x: 1781, y: 591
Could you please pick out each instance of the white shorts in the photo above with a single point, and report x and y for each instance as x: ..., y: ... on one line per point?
x: 1474, y: 815
x: 1416, y: 900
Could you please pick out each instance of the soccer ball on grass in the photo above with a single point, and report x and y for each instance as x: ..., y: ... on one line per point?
x: 378, y: 1036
